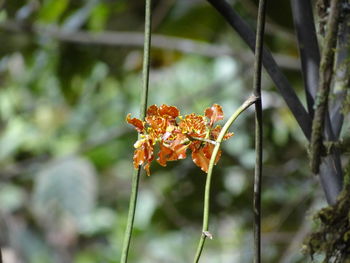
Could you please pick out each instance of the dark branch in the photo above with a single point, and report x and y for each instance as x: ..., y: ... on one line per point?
x: 308, y: 48
x: 269, y: 63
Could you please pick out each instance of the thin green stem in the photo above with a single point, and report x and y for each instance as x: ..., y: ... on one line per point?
x: 143, y: 110
x: 258, y: 130
x: 205, y: 233
x: 131, y: 214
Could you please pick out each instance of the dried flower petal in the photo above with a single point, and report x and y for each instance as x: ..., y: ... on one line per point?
x: 165, y: 154
x: 138, y: 124
x: 208, y: 151
x: 200, y: 160
x: 143, y: 153
x: 214, y: 133
x: 171, y: 111
x: 152, y: 110
x: 214, y: 113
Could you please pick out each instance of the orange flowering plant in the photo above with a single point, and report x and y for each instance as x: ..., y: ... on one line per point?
x: 175, y: 134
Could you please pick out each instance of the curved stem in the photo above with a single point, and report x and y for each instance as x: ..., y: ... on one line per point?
x: 258, y: 130
x: 143, y: 110
x: 252, y: 99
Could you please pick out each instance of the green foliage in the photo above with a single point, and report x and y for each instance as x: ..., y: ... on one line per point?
x: 52, y: 10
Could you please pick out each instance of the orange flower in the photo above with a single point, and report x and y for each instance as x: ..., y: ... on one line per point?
x: 194, y: 125
x: 214, y: 113
x: 174, y: 138
x: 138, y: 124
x: 159, y: 119
x: 143, y: 153
x: 174, y: 149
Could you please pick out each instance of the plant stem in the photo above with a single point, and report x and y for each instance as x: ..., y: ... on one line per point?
x: 146, y: 59
x: 143, y: 110
x: 131, y: 214
x: 258, y: 130
x: 252, y: 99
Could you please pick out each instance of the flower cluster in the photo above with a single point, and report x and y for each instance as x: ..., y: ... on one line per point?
x: 164, y: 126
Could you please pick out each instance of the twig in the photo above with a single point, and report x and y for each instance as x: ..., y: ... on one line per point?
x: 205, y: 232
x: 135, y: 39
x: 258, y: 130
x: 143, y: 109
x: 326, y: 73
x: 282, y: 84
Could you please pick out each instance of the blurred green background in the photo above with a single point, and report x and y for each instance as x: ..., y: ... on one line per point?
x: 70, y: 71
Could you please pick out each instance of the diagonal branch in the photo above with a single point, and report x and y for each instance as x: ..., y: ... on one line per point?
x: 269, y: 63
x: 308, y: 48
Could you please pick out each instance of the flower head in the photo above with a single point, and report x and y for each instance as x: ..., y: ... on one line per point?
x: 174, y: 134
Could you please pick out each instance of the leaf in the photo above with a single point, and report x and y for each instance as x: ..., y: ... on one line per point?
x: 214, y: 113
